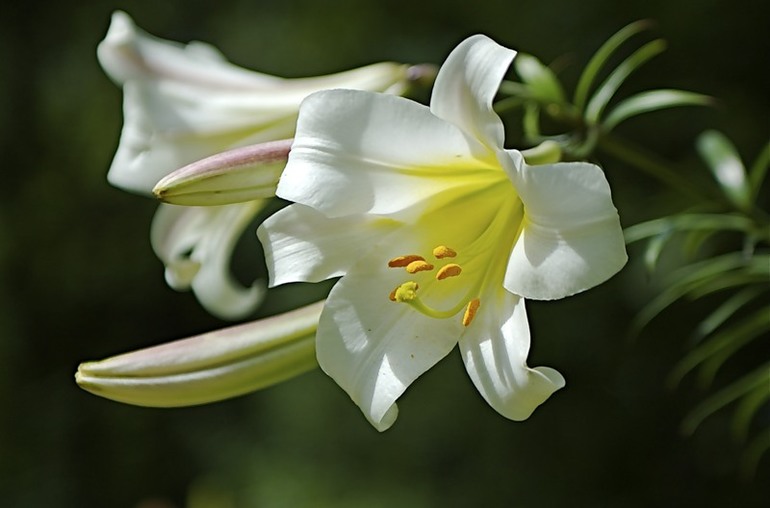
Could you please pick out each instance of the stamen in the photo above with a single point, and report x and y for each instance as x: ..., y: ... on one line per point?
x: 450, y: 270
x: 406, y: 292
x: 402, y: 261
x: 418, y: 266
x: 442, y: 251
x: 470, y: 311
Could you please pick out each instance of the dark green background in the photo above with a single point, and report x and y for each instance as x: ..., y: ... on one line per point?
x: 79, y: 282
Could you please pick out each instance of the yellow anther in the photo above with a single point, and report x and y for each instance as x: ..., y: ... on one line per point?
x: 442, y: 251
x: 418, y: 266
x: 470, y: 311
x: 402, y: 261
x: 450, y: 270
x: 404, y: 293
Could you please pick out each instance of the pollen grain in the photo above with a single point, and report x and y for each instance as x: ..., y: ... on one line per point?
x: 419, y: 266
x: 470, y: 311
x: 442, y: 251
x: 402, y: 261
x: 450, y: 270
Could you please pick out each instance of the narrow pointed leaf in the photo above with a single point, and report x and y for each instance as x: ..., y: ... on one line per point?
x: 601, y: 57
x: 725, y: 311
x: 607, y: 89
x: 653, y: 250
x: 725, y: 164
x: 687, y: 222
x: 755, y: 379
x: 531, y: 122
x: 653, y: 100
x: 759, y: 170
x: 695, y: 239
x: 683, y: 282
x: 541, y: 80
x: 747, y: 408
x: 712, y: 354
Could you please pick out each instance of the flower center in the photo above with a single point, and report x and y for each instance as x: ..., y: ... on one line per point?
x: 407, y: 292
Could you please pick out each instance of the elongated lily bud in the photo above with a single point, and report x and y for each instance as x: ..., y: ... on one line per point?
x: 232, y: 176
x: 209, y: 367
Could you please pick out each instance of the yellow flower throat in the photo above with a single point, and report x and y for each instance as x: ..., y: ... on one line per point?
x: 407, y: 292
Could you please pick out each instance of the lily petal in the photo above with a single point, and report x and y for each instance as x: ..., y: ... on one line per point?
x: 303, y: 245
x: 209, y: 367
x: 467, y: 84
x: 195, y: 244
x: 382, y: 166
x: 374, y: 348
x: 495, y: 348
x: 571, y: 238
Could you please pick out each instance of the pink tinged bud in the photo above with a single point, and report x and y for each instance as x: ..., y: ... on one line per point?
x: 233, y: 176
x: 209, y: 367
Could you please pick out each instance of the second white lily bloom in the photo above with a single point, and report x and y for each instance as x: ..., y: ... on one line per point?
x: 186, y: 102
x: 438, y: 232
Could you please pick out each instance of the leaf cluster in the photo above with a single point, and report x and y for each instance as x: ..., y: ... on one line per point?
x: 723, y: 232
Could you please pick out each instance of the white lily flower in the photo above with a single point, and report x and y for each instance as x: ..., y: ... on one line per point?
x: 186, y: 102
x: 438, y: 232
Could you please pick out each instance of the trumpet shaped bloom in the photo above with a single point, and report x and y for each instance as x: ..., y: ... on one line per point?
x: 439, y: 234
x: 185, y: 102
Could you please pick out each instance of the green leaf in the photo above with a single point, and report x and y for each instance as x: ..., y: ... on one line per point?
x: 607, y: 89
x: 601, y: 57
x: 515, y: 89
x: 746, y: 410
x: 653, y: 100
x: 694, y: 240
x: 687, y: 222
x: 725, y: 311
x: 714, y: 352
x: 686, y: 280
x: 759, y: 170
x: 531, y: 122
x: 742, y: 387
x: 735, y: 338
x: 744, y: 277
x: 542, y: 82
x: 726, y: 166
x: 508, y: 104
x: 653, y: 250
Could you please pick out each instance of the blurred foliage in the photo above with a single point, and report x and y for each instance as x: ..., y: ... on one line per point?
x: 79, y: 280
x: 726, y: 247
x: 737, y: 269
